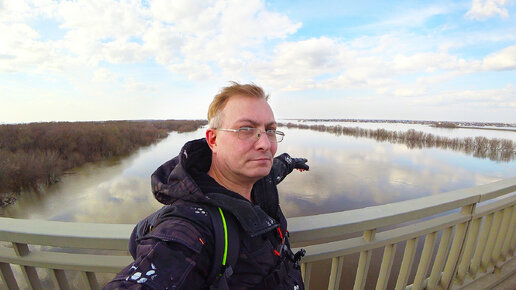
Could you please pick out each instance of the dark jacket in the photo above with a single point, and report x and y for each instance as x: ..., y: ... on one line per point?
x: 178, y: 253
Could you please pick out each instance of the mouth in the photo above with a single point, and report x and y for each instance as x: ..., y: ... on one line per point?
x: 262, y: 159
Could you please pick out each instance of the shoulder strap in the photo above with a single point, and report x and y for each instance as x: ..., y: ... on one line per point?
x: 226, y: 249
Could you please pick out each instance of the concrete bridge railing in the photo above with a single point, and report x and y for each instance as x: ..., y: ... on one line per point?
x: 459, y: 239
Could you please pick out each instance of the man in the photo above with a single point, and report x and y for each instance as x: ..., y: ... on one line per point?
x: 232, y: 169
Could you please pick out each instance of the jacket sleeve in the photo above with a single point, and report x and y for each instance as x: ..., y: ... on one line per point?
x: 171, y: 256
x: 281, y: 167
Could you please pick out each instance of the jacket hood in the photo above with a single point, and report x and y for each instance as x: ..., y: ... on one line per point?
x: 171, y: 181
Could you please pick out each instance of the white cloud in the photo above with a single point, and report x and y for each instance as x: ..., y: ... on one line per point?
x: 233, y: 30
x: 501, y: 60
x: 376, y: 63
x: 21, y: 49
x: 385, y: 43
x: 101, y: 19
x: 193, y: 70
x: 251, y: 23
x: 199, y: 35
x: 163, y: 42
x: 366, y: 72
x: 138, y: 87
x: 295, y: 64
x: 104, y: 75
x: 491, y: 98
x: 484, y: 9
x: 437, y: 78
x: 428, y: 61
x: 13, y: 10
x: 120, y: 51
x: 408, y: 91
x: 188, y: 16
x: 102, y: 30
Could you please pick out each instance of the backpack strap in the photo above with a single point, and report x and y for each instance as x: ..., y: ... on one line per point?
x: 226, y: 248
x: 146, y: 225
x: 226, y: 238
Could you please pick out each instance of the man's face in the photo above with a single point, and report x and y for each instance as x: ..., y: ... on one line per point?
x: 244, y: 160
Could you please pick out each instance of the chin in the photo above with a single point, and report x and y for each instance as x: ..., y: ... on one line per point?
x: 260, y: 173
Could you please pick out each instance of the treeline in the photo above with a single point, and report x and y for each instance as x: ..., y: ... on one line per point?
x: 494, y: 149
x: 37, y: 154
x: 449, y: 125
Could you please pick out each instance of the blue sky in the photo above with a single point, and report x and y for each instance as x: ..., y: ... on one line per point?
x: 111, y: 60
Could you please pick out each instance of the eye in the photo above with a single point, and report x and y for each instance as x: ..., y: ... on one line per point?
x: 246, y: 129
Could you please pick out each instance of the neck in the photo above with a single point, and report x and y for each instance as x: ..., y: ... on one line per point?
x: 242, y: 188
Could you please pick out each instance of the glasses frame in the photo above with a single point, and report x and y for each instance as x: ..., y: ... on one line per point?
x: 279, y: 134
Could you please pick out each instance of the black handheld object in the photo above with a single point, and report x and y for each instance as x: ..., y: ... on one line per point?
x: 300, y: 163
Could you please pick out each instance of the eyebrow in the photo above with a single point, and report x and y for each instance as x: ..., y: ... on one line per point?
x: 254, y: 123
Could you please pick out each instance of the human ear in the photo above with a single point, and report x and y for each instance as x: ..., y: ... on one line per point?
x: 211, y: 138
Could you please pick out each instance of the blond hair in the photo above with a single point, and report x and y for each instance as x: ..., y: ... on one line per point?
x: 220, y: 100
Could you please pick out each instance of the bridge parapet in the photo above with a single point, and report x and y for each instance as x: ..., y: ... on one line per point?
x: 453, y: 240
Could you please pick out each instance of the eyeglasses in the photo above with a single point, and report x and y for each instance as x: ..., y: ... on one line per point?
x: 254, y: 134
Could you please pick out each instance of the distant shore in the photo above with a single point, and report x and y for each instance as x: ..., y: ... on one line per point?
x: 488, y: 128
x: 482, y: 147
x: 456, y: 124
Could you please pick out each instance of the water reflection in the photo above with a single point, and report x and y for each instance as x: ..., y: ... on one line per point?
x: 349, y: 173
x: 479, y: 146
x: 116, y: 191
x: 438, y: 131
x: 346, y: 173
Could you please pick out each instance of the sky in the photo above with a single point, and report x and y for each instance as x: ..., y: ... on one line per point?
x: 131, y: 60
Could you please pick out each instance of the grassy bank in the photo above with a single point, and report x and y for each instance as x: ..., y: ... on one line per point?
x: 37, y: 154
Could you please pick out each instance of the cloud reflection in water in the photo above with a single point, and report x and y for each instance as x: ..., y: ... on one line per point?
x: 347, y: 172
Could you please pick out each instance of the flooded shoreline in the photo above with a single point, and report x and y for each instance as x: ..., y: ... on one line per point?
x: 481, y: 147
x: 35, y: 156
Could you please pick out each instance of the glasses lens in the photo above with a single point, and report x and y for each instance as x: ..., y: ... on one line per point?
x: 278, y: 136
x: 247, y: 133
x: 253, y: 134
x: 271, y: 135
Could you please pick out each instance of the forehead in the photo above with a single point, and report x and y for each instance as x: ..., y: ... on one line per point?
x: 242, y: 109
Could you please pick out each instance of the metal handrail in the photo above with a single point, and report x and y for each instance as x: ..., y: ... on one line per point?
x: 311, y: 228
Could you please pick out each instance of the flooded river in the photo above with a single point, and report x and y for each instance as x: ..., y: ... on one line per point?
x: 346, y: 173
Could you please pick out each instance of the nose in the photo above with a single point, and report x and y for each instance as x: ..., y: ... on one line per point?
x: 263, y: 142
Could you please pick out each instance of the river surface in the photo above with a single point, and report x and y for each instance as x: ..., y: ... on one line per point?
x: 345, y: 173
